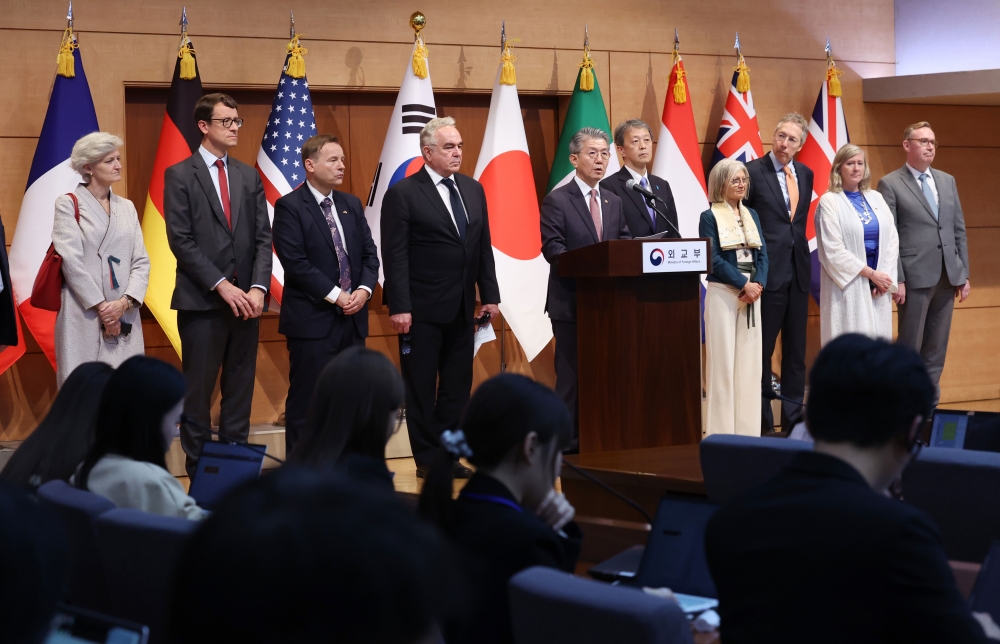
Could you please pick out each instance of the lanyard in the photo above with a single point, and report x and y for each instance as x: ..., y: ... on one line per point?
x: 489, y: 498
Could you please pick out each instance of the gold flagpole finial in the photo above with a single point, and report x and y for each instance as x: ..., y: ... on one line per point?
x: 743, y: 79
x: 587, y: 66
x: 419, y: 62
x: 680, y: 87
x: 188, y: 71
x: 65, y: 65
x: 296, y: 67
x: 833, y: 74
x: 507, y: 58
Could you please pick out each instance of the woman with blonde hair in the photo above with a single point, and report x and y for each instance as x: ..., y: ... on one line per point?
x: 858, y: 249
x: 733, y: 340
x: 104, y: 263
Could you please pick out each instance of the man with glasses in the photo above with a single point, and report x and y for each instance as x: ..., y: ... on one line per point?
x: 219, y: 231
x: 780, y: 191
x: 577, y: 214
x: 933, y: 253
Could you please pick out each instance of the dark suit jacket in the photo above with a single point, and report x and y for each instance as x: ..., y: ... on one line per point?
x: 851, y: 565
x: 725, y: 268
x: 429, y: 271
x: 8, y: 323
x: 567, y: 225
x: 304, y: 244
x: 205, y: 248
x: 787, y: 248
x: 495, y: 543
x: 634, y: 205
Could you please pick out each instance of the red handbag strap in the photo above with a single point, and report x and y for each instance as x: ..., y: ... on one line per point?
x: 76, y: 205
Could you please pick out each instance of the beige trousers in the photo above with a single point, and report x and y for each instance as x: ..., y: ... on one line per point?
x: 733, y: 363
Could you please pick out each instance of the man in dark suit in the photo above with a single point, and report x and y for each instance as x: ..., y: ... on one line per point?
x: 575, y: 215
x: 8, y: 319
x: 436, y: 251
x: 325, y: 246
x: 635, y: 143
x: 781, y: 191
x: 218, y: 229
x: 819, y: 553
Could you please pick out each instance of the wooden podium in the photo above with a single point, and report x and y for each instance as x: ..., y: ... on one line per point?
x: 639, y: 341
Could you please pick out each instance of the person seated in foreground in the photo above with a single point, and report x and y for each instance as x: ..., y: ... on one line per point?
x: 508, y: 517
x: 353, y: 414
x: 137, y: 420
x: 306, y: 555
x: 820, y: 553
x: 61, y: 441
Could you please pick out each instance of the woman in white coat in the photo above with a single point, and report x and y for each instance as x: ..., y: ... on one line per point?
x: 104, y: 263
x: 858, y: 249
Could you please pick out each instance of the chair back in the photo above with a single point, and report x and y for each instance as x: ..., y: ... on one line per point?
x: 733, y: 464
x: 79, y: 510
x: 549, y: 606
x: 141, y: 551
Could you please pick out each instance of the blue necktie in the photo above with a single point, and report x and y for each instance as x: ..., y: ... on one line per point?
x: 652, y: 213
x: 929, y: 194
x: 457, y: 209
x: 338, y: 244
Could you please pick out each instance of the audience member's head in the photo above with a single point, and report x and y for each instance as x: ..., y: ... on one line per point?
x: 354, y: 409
x: 305, y: 555
x: 870, y: 395
x: 65, y: 435
x: 138, y: 414
x: 34, y: 561
x: 513, y: 428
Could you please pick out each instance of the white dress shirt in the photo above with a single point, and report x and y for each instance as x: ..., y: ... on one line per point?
x: 446, y: 193
x: 213, y: 171
x: 332, y: 296
x: 782, y: 180
x: 638, y: 177
x: 586, y: 195
x: 930, y: 181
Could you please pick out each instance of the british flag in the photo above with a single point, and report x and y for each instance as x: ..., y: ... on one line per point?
x: 827, y: 134
x: 739, y: 134
x: 279, y: 161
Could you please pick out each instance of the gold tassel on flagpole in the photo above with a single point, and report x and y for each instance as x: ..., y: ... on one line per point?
x: 833, y: 78
x: 507, y: 74
x: 680, y: 89
x: 743, y: 80
x: 418, y: 21
x: 296, y: 63
x: 587, y: 71
x: 65, y: 65
x: 188, y: 69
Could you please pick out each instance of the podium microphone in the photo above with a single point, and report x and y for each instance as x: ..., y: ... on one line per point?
x: 651, y: 198
x: 187, y: 420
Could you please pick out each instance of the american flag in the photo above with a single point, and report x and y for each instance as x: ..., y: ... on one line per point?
x: 279, y: 161
x: 827, y: 134
x: 739, y: 134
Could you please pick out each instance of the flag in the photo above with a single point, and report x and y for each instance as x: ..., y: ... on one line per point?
x: 739, y: 134
x: 678, y: 155
x: 401, y: 156
x: 279, y: 161
x: 586, y: 109
x: 179, y: 139
x: 70, y: 115
x: 827, y: 134
x: 504, y: 169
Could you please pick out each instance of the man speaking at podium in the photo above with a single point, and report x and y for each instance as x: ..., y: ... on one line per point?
x: 575, y: 215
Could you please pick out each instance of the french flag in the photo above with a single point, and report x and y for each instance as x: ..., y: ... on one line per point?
x: 827, y: 134
x: 70, y: 115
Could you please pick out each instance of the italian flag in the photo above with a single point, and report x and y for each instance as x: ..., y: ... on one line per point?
x: 586, y: 109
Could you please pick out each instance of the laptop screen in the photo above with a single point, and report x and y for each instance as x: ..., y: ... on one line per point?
x: 675, y: 553
x: 960, y: 429
x: 73, y: 625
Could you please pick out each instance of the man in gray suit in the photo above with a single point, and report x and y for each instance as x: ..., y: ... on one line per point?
x: 933, y: 254
x: 220, y: 233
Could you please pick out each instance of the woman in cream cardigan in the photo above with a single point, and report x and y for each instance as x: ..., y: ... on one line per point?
x: 105, y: 266
x: 733, y: 342
x: 858, y: 249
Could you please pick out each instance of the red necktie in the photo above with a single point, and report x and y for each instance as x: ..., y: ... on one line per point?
x: 595, y: 213
x: 224, y: 190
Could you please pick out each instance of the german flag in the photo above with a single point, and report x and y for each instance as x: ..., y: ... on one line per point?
x: 179, y: 138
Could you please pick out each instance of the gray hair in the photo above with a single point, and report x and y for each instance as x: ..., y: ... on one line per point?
x: 586, y: 134
x: 848, y: 151
x: 631, y: 124
x: 92, y: 148
x: 797, y: 119
x: 721, y: 176
x: 427, y: 139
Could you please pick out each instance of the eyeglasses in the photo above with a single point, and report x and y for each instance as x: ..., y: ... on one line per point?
x: 227, y: 123
x: 917, y: 446
x: 925, y: 142
x: 740, y: 181
x: 593, y: 154
x: 781, y: 136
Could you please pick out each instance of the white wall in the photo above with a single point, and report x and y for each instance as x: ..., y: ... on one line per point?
x: 946, y: 36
